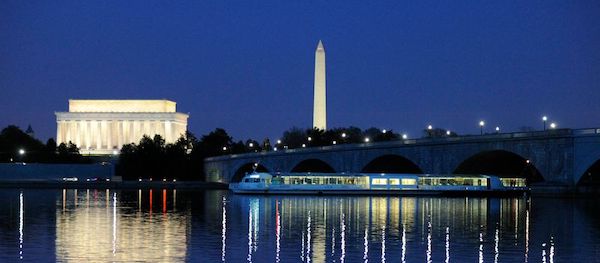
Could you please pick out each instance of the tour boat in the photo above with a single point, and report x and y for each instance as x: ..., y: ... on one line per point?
x: 375, y: 183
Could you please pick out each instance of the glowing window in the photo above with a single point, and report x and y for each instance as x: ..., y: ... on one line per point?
x: 379, y: 181
x: 409, y: 181
x: 394, y: 181
x: 482, y: 182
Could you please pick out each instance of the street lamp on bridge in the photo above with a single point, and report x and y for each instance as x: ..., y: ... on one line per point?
x: 545, y: 119
x: 21, y: 154
x: 481, y: 124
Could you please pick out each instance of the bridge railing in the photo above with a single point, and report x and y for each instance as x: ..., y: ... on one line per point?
x: 454, y: 139
x: 584, y: 132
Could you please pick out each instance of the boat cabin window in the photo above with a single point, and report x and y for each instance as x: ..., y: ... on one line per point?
x: 322, y: 180
x: 409, y: 181
x: 453, y: 181
x: 513, y: 182
x: 256, y: 180
x: 379, y: 181
x: 394, y: 181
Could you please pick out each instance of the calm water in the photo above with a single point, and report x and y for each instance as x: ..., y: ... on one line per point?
x: 213, y: 226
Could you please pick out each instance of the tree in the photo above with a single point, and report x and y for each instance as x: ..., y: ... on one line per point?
x: 353, y: 135
x: 253, y: 146
x: 266, y: 146
x: 183, y: 159
x: 315, y: 137
x: 293, y: 138
x: 217, y: 142
x: 51, y: 146
x: 13, y: 139
x: 437, y: 133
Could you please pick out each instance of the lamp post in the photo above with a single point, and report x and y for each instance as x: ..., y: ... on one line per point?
x: 544, y: 119
x: 497, y: 129
x: 21, y: 154
x: 481, y: 124
x: 553, y: 125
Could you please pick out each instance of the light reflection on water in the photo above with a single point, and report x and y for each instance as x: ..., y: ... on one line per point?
x: 167, y: 225
x: 106, y: 228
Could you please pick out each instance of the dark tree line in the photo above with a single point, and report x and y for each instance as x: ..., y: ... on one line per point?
x: 18, y: 146
x: 298, y: 138
x: 181, y: 160
x: 438, y: 133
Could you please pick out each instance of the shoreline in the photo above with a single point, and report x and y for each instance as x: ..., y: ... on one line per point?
x: 113, y: 185
x: 543, y: 191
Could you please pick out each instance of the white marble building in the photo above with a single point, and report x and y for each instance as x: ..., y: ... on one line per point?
x: 103, y: 126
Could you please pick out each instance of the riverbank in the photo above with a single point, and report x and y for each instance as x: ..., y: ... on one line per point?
x: 114, y: 185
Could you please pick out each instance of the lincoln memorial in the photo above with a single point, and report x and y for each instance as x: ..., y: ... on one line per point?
x: 103, y: 126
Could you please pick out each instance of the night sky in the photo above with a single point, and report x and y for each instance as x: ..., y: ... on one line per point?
x: 247, y: 66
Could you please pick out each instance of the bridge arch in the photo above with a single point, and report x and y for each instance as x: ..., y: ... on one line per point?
x: 245, y: 169
x: 591, y: 177
x: 501, y: 163
x: 391, y: 163
x: 312, y: 165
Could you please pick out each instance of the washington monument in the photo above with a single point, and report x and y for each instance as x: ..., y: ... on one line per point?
x: 320, y: 92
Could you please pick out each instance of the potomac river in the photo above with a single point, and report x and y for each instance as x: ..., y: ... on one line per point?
x: 170, y: 225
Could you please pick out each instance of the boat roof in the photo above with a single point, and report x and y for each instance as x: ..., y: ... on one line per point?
x: 387, y: 175
x: 455, y: 175
x: 259, y: 175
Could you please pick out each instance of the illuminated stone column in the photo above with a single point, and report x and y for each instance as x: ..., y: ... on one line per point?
x: 136, y: 131
x: 59, y: 132
x: 99, y: 133
x: 161, y: 128
x: 120, y: 133
x: 156, y: 128
x: 168, y: 129
x: 125, y: 130
x: 79, y: 133
x: 142, y: 131
x: 110, y: 134
x: 105, y: 138
x: 87, y: 134
x: 67, y: 128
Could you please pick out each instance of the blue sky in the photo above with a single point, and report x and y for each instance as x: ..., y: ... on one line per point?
x: 247, y: 66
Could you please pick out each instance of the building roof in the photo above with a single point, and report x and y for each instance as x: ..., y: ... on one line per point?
x: 82, y: 105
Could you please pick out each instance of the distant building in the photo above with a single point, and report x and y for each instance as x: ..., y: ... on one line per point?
x: 103, y: 126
